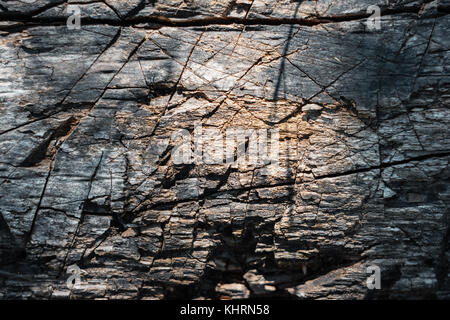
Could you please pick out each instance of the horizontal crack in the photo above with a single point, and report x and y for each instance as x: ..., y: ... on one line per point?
x: 161, y: 21
x: 385, y: 165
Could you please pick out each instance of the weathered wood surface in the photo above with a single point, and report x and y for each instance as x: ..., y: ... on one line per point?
x: 87, y: 177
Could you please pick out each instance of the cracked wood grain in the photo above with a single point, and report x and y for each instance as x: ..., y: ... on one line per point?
x: 88, y: 175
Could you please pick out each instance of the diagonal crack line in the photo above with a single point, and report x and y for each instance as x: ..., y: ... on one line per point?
x: 175, y: 87
x: 44, y: 189
x: 25, y: 124
x: 28, y: 237
x: 80, y: 221
x: 113, y: 9
x: 385, y: 165
x: 41, y: 198
x: 309, y: 100
x: 132, y: 53
x: 109, y: 45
